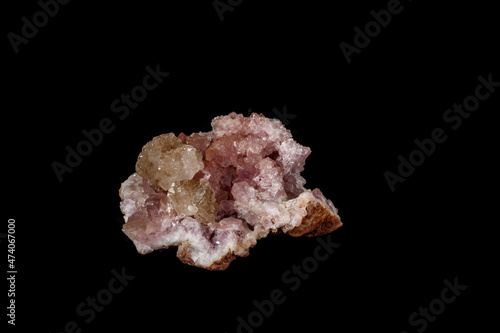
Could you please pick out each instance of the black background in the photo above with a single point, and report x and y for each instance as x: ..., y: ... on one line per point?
x: 396, y: 247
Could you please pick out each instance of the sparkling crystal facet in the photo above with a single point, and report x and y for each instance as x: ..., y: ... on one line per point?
x: 215, y: 194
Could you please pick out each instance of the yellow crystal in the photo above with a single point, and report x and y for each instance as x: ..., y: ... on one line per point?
x: 166, y: 160
x: 194, y: 198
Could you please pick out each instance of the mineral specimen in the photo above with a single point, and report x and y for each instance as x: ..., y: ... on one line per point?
x: 215, y: 194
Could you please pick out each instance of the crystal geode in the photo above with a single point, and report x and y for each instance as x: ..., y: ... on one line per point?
x: 214, y: 194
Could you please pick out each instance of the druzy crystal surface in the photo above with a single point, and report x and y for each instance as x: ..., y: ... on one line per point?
x: 214, y: 194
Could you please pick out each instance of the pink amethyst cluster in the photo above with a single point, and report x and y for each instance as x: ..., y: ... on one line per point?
x: 214, y: 194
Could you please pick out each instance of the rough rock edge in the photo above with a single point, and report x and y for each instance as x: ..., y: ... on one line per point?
x: 184, y: 255
x: 320, y: 220
x: 120, y: 191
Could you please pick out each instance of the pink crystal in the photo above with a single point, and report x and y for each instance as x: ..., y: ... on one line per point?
x: 215, y: 194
